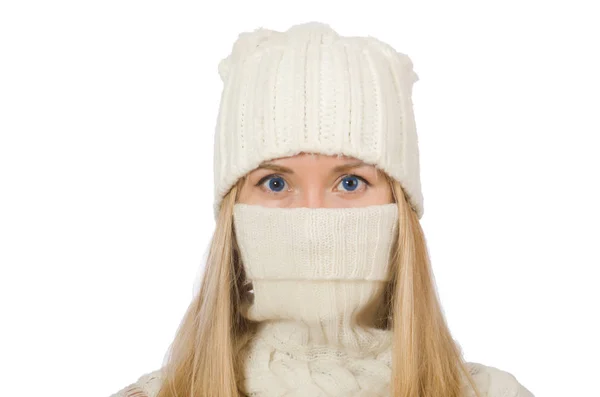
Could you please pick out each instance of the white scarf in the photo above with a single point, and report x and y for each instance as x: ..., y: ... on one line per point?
x: 318, y: 276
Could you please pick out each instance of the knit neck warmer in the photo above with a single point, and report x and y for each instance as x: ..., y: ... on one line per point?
x: 318, y: 278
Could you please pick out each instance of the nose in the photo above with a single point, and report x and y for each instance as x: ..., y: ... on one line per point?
x: 312, y: 196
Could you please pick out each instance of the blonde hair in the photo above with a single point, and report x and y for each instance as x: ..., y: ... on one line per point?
x: 426, y: 361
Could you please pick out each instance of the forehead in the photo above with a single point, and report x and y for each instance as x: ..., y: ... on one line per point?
x: 304, y: 156
x: 314, y: 163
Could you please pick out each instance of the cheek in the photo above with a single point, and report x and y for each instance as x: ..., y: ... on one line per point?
x: 384, y: 195
x: 384, y: 190
x: 245, y: 193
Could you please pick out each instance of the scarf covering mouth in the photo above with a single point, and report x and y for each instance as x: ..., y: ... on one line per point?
x: 318, y: 277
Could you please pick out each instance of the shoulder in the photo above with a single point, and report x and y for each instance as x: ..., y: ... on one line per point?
x: 147, y: 385
x: 495, y: 382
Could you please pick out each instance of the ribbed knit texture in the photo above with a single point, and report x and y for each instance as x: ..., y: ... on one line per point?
x: 309, y: 89
x: 318, y: 276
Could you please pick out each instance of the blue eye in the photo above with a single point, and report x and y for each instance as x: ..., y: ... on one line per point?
x: 276, y: 183
x: 351, y: 182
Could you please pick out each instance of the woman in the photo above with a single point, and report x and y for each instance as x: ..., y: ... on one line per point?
x: 318, y: 281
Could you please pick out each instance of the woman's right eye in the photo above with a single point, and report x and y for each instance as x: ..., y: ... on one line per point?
x: 272, y: 183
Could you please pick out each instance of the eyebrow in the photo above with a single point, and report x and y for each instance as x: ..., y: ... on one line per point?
x: 286, y: 170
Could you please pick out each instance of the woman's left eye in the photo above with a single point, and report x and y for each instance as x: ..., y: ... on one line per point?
x: 351, y: 183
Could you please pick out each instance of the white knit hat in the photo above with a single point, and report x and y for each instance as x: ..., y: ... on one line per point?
x: 308, y: 89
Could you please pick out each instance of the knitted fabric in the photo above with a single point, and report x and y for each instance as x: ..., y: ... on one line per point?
x: 492, y: 381
x: 309, y: 89
x: 147, y: 385
x: 319, y: 276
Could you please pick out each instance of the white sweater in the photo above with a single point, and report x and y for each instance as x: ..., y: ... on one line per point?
x: 492, y: 382
x: 318, y: 279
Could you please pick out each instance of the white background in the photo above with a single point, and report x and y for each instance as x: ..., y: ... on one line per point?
x: 107, y: 117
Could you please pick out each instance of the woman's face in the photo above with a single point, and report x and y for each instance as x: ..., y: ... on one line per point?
x: 315, y: 180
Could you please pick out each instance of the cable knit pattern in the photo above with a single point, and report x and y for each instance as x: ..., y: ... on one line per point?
x: 309, y: 89
x: 147, y: 385
x: 275, y: 363
x: 492, y: 382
